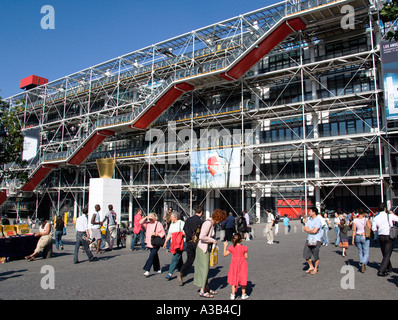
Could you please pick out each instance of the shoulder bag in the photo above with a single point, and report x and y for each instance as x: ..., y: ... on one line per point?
x: 369, y: 234
x: 157, y: 241
x: 393, y: 229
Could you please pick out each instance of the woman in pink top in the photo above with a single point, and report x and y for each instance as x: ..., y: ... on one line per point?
x: 153, y: 227
x: 359, y: 238
x: 202, y: 257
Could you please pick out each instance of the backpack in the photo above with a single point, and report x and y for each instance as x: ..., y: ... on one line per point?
x: 241, y: 224
x: 196, y: 233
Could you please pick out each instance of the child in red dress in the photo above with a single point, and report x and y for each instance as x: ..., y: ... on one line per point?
x: 237, y: 273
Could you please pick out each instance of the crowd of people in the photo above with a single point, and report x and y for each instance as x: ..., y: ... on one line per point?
x: 364, y: 228
x: 196, y: 236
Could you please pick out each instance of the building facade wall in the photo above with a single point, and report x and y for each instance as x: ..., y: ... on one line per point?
x: 308, y: 120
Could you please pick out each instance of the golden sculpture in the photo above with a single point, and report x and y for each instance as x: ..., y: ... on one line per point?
x: 106, y: 167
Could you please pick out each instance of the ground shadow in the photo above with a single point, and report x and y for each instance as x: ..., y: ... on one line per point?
x: 11, y: 274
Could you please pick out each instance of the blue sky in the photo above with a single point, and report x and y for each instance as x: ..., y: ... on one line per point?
x: 89, y: 32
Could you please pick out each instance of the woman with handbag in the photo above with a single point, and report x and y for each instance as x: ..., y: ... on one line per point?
x: 202, y: 259
x: 359, y: 225
x: 154, y: 232
x: 176, y: 234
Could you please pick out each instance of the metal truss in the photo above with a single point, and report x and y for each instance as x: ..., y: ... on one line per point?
x: 67, y: 108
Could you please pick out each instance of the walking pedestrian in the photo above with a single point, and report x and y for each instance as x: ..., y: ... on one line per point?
x: 248, y: 223
x: 166, y: 223
x: 138, y: 231
x: 238, y: 270
x: 359, y: 238
x: 382, y: 223
x: 313, y: 243
x: 229, y: 227
x: 286, y: 223
x: 269, y: 234
x: 191, y: 225
x: 176, y: 235
x: 82, y: 237
x: 96, y: 224
x: 241, y: 225
x: 111, y: 226
x: 336, y: 224
x: 202, y: 260
x: 326, y: 229
x: 59, y: 231
x: 344, y: 244
x: 152, y: 227
x: 275, y: 225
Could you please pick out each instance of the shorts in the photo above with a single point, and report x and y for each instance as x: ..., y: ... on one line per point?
x: 96, y: 233
x: 309, y: 252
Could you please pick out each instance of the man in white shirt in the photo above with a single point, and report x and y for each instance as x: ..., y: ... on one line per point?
x: 247, y: 218
x: 268, y: 227
x: 111, y: 226
x: 382, y: 223
x: 82, y: 233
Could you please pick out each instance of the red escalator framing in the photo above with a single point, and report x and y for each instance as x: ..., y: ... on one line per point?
x: 162, y: 104
x: 40, y: 174
x: 257, y: 53
x: 78, y: 158
x: 90, y: 146
x: 3, y: 196
x: 171, y: 95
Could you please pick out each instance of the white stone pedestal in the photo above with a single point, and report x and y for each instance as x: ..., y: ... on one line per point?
x: 104, y: 191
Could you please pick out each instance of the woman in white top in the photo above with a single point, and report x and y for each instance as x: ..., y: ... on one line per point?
x: 175, y: 226
x: 45, y: 235
x: 336, y: 222
x: 359, y: 239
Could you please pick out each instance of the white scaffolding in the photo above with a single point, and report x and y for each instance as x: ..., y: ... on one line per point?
x: 69, y: 109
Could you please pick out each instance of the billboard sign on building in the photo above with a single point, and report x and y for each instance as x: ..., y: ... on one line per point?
x: 31, y: 139
x: 389, y: 57
x: 217, y: 168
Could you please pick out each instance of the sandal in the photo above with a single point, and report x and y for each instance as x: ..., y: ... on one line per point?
x: 213, y: 292
x: 205, y: 295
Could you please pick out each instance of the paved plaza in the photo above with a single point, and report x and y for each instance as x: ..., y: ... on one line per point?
x: 275, y: 272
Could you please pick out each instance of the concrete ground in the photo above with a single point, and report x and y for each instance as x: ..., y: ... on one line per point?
x: 276, y: 272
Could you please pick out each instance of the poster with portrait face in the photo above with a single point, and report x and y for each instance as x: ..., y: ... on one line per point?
x: 389, y: 57
x: 218, y: 168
